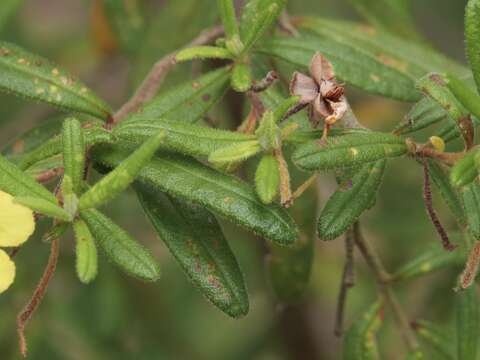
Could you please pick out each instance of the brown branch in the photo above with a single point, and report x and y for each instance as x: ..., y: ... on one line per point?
x: 49, y: 175
x: 155, y: 77
x: 37, y: 297
x: 285, y: 191
x: 383, y: 279
x: 348, y: 281
x: 427, y: 197
x: 303, y: 187
x: 266, y: 82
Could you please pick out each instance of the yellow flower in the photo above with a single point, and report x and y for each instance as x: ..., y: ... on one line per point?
x: 16, y: 226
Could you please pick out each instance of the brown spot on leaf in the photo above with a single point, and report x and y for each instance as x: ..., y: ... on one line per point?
x: 195, y: 85
x: 392, y: 62
x: 206, y: 97
x: 437, y: 79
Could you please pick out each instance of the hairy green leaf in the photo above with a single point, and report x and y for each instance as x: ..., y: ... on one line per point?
x: 44, y: 207
x: 465, y: 169
x: 225, y: 195
x: 86, y: 252
x: 423, y: 114
x: 187, y: 102
x: 73, y: 152
x: 190, y: 139
x: 16, y: 183
x: 348, y: 150
x: 267, y: 178
x: 203, y: 52
x: 122, y: 176
x: 472, y: 38
x: 241, y: 77
x: 229, y: 20
x: 351, y: 199
x: 34, y: 77
x: 235, y: 152
x: 359, y: 341
x: 468, y: 97
x: 122, y: 250
x: 428, y: 261
x: 471, y: 201
x: 437, y: 338
x: 195, y: 239
x: 467, y: 320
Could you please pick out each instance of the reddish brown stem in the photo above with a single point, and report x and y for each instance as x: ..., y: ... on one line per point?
x: 266, y: 82
x: 427, y: 196
x: 49, y: 175
x: 37, y: 297
x: 471, y: 268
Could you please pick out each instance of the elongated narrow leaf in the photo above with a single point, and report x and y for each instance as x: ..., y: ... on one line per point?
x: 472, y: 38
x: 447, y: 191
x: 187, y: 102
x: 267, y: 179
x: 348, y: 151
x: 360, y: 342
x: 465, y: 169
x: 92, y: 136
x: 257, y: 17
x: 438, y: 339
x: 73, y: 152
x: 427, y: 262
x: 235, y: 152
x: 34, y: 77
x: 190, y: 139
x: 44, y: 207
x: 195, y: 239
x: 394, y: 16
x: 203, y: 52
x: 471, y: 201
x: 467, y: 96
x: 229, y: 20
x: 423, y: 114
x: 16, y: 183
x: 122, y: 250
x: 126, y: 21
x: 86, y: 252
x: 122, y: 176
x: 350, y: 200
x: 225, y: 195
x: 368, y: 58
x: 467, y: 320
x: 241, y: 80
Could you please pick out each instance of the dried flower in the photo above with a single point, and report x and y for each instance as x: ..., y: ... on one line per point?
x: 321, y: 91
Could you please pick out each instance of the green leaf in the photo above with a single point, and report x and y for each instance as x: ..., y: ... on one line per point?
x: 222, y: 194
x: 122, y: 176
x: 73, y: 152
x: 122, y: 250
x: 437, y: 338
x: 34, y: 77
x: 126, y: 21
x: 348, y: 150
x: 423, y: 114
x: 86, y: 252
x: 447, y: 191
x: 195, y: 239
x: 229, y: 20
x: 267, y: 178
x: 472, y: 38
x: 235, y: 152
x: 467, y: 320
x: 187, y: 102
x: 257, y: 17
x: 268, y: 133
x: 241, y: 77
x: 44, y: 207
x: 92, y: 135
x: 428, y: 261
x: 471, y: 201
x: 465, y: 170
x: 190, y: 139
x: 368, y: 58
x: 203, y: 52
x: 394, y: 16
x: 359, y: 341
x: 462, y: 91
x: 351, y: 199
x: 14, y: 182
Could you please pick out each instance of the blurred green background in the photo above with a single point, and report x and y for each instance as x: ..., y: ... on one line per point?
x: 120, y: 318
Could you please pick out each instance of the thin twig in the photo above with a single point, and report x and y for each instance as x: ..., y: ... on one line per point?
x: 303, y: 187
x: 427, y: 196
x: 348, y: 281
x: 155, y: 77
x: 37, y: 297
x: 49, y: 175
x: 266, y: 82
x: 383, y: 279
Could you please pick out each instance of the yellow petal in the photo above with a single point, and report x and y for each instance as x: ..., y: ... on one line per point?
x: 16, y: 222
x: 7, y: 271
x: 437, y: 143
